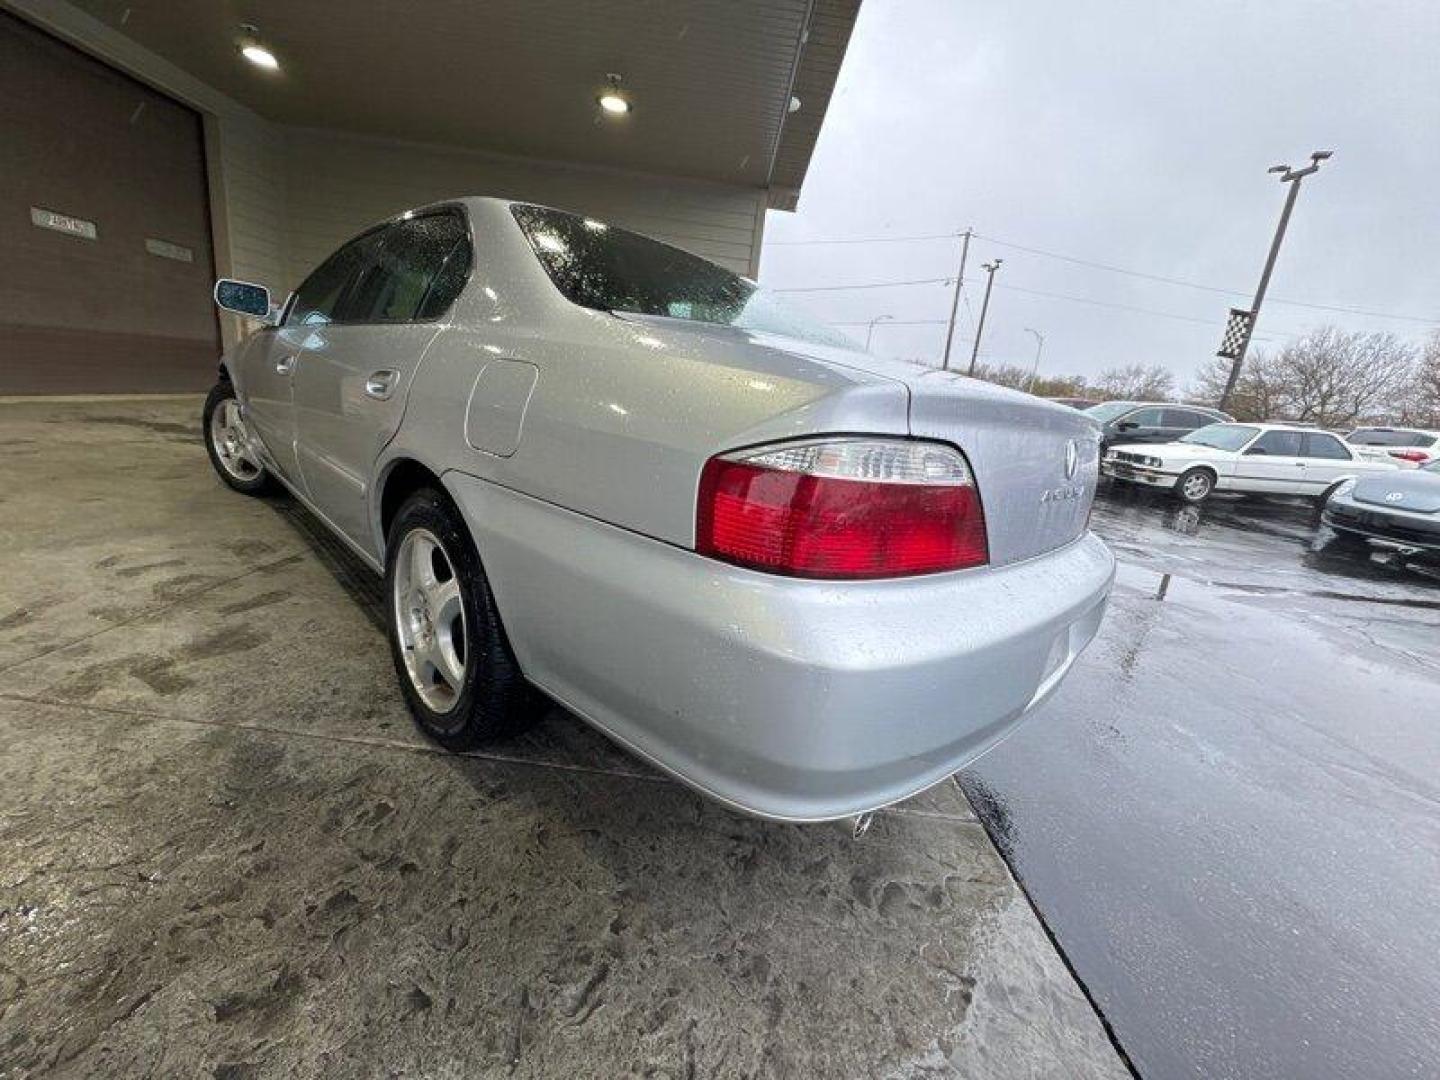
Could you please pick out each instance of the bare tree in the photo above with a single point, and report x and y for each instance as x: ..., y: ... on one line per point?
x: 1422, y: 404
x: 1257, y: 396
x: 1137, y: 382
x: 1333, y: 377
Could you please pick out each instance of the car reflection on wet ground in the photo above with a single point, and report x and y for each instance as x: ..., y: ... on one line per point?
x: 1229, y: 816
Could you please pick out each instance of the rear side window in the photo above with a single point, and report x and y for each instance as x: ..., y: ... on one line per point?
x: 1389, y: 437
x: 1324, y: 446
x: 1277, y: 443
x: 1186, y: 418
x: 317, y: 300
x: 411, y: 256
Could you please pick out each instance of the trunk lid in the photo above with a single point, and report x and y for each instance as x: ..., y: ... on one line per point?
x: 1404, y: 489
x: 1036, y: 463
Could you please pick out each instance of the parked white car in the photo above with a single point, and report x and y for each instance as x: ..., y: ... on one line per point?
x: 1410, y: 448
x: 1274, y: 459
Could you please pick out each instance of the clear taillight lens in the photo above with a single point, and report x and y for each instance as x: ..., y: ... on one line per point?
x: 842, y: 508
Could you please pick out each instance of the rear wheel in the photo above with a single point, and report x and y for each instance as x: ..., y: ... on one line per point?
x: 1195, y: 486
x: 455, y: 665
x: 228, y: 442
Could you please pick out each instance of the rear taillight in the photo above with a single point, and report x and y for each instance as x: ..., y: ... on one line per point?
x: 1410, y: 455
x: 842, y: 508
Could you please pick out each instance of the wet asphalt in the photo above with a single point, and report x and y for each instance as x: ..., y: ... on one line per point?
x: 1229, y: 816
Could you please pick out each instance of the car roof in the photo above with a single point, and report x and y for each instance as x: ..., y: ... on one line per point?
x: 1397, y: 427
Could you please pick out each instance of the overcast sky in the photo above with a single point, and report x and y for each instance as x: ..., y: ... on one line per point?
x: 1131, y: 134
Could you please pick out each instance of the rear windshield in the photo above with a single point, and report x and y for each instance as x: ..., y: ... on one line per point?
x: 1390, y: 437
x: 1221, y: 436
x: 600, y: 266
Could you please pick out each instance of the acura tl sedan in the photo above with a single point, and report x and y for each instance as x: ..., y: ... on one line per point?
x: 1260, y: 459
x: 804, y: 580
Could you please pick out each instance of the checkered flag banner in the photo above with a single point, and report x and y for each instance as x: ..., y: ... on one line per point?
x: 1236, y: 330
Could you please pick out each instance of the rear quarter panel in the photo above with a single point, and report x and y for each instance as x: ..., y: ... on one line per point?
x: 623, y: 413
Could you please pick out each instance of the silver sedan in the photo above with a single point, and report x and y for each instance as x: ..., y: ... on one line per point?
x: 594, y: 467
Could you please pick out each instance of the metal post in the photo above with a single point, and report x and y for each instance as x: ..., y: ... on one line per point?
x: 990, y: 269
x: 871, y: 332
x: 1039, y: 345
x: 955, y: 299
x: 1293, y: 177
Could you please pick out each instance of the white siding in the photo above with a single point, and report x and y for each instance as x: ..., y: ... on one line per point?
x: 337, y: 184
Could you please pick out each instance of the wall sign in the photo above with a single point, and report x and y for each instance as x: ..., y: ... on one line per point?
x: 71, y: 226
x: 167, y: 250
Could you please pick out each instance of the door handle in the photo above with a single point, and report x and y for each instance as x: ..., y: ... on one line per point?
x: 287, y: 365
x: 381, y: 384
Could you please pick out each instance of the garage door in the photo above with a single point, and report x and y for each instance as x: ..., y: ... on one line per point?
x: 105, y: 258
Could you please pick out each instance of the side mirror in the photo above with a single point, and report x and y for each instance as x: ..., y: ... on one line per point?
x: 1256, y: 450
x: 1126, y: 425
x: 244, y: 298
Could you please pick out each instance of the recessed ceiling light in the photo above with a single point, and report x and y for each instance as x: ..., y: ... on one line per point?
x: 612, y: 99
x: 254, y: 50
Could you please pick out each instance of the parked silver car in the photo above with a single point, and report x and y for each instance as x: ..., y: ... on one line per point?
x: 804, y: 580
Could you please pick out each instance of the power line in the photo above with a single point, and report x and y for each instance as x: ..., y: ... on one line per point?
x: 1109, y: 268
x: 1197, y: 285
x: 866, y: 240
x: 866, y: 285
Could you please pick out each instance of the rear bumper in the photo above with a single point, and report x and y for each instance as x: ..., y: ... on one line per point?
x: 793, y: 700
x: 1395, y: 526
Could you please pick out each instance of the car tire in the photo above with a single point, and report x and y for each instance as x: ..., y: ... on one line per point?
x: 456, y: 668
x: 227, y: 442
x: 1195, y: 486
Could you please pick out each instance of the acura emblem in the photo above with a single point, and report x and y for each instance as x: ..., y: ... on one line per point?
x: 1072, y: 459
x: 1395, y: 496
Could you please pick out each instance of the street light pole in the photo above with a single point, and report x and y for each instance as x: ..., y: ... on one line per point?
x: 1039, y: 345
x: 990, y: 269
x: 871, y: 332
x: 1293, y: 177
x: 955, y: 298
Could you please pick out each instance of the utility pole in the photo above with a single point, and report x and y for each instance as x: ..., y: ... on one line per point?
x: 1242, y: 324
x: 1039, y: 345
x: 955, y: 299
x: 990, y: 269
x: 871, y: 331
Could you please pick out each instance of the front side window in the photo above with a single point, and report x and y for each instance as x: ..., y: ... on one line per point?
x: 605, y: 268
x: 408, y: 262
x: 1277, y: 444
x: 1320, y: 445
x: 1221, y: 436
x: 1145, y: 418
x: 1108, y: 410
x: 317, y: 300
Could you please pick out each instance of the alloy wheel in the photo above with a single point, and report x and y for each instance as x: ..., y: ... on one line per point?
x: 231, y: 440
x: 430, y: 620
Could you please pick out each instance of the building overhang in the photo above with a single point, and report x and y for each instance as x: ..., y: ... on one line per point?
x: 720, y: 90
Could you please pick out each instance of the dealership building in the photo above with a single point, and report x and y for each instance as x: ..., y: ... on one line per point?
x: 151, y: 146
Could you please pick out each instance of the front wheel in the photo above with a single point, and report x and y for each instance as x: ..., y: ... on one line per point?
x: 1195, y: 486
x: 455, y: 665
x: 227, y: 441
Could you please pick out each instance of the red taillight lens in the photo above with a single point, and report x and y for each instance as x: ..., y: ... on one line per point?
x: 1410, y: 455
x: 847, y: 508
